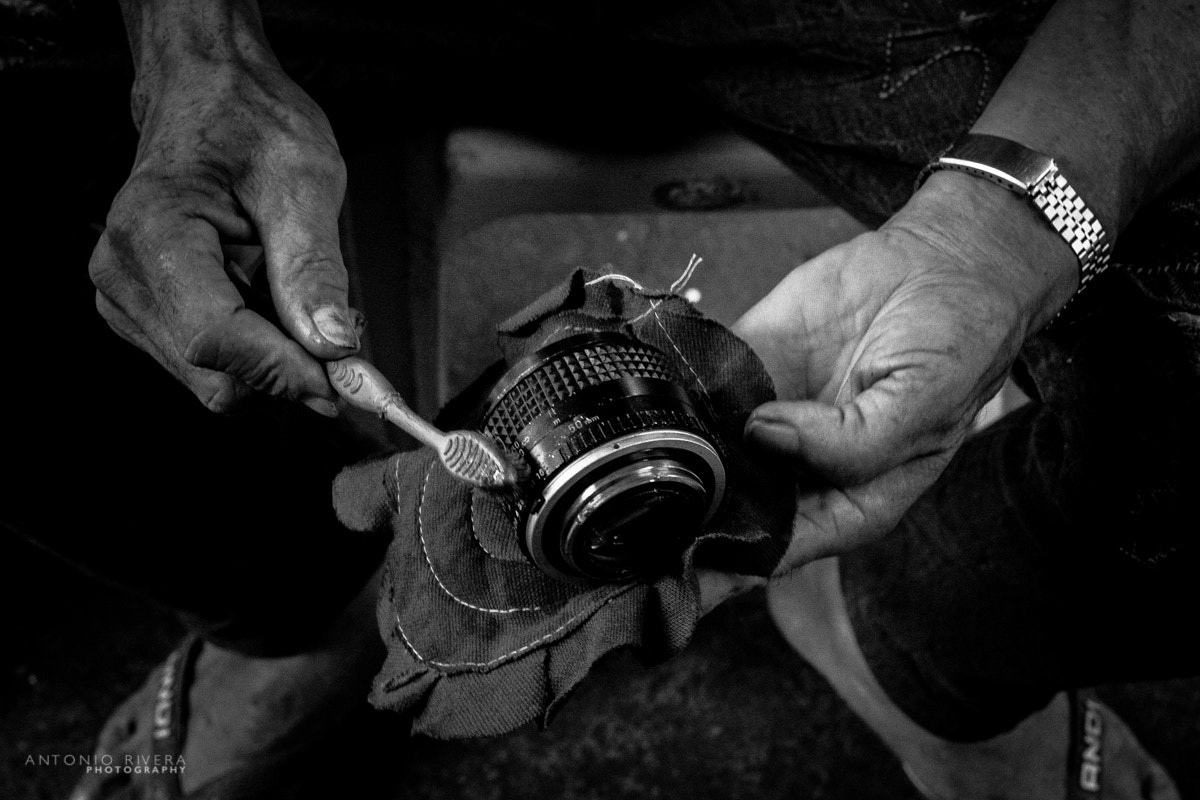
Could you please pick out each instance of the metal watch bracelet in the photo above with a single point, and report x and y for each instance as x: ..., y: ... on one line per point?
x: 1031, y: 174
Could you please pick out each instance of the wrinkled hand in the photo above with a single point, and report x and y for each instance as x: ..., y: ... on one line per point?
x: 884, y: 349
x: 230, y: 152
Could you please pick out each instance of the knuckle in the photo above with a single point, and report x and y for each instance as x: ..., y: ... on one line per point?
x: 100, y: 265
x: 218, y: 394
x: 317, y: 270
x: 260, y: 368
x: 133, y: 271
x: 308, y: 158
x: 209, y: 348
x: 270, y: 378
x: 108, y: 313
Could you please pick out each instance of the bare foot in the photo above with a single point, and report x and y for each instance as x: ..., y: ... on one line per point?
x: 242, y: 710
x: 1028, y: 763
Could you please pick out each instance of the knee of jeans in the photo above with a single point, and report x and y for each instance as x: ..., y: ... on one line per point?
x: 1125, y: 390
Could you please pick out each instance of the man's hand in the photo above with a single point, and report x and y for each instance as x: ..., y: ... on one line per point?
x: 883, y: 350
x: 231, y: 152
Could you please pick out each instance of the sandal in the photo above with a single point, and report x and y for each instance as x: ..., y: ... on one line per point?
x: 1084, y: 779
x: 156, y: 775
x: 1085, y: 756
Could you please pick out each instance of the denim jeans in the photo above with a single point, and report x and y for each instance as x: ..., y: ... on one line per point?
x: 1008, y: 580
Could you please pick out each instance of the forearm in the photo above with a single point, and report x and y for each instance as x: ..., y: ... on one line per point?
x: 1111, y: 91
x: 171, y: 38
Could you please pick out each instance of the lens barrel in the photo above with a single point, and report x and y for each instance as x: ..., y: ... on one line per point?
x: 625, y: 465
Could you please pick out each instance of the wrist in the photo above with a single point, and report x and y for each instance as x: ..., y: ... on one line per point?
x: 999, y: 237
x: 179, y: 40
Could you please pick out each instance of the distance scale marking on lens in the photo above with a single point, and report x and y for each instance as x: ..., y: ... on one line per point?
x: 576, y: 423
x: 551, y: 448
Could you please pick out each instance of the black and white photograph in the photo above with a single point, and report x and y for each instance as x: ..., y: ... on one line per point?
x: 713, y: 399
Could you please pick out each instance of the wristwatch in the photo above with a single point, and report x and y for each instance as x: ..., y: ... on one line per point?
x: 1034, y: 175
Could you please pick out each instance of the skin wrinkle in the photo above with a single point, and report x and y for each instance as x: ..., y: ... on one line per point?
x: 903, y: 363
x: 842, y: 320
x: 308, y: 191
x: 202, y: 32
x: 270, y: 376
x: 870, y: 370
x: 952, y: 234
x: 898, y: 448
x: 301, y: 292
x: 263, y: 376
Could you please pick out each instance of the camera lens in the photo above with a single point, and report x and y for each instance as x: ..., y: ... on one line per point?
x: 625, y: 466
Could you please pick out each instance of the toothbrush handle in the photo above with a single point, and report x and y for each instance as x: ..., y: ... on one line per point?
x: 365, y: 387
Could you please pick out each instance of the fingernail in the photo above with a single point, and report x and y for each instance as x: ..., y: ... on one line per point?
x: 359, y: 321
x: 326, y: 408
x: 334, y: 326
x: 773, y: 434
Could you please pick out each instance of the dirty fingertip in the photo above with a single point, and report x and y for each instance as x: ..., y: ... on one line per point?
x: 326, y: 408
x: 359, y: 321
x: 773, y: 434
x: 336, y: 326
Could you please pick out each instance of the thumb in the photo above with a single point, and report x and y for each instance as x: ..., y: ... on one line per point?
x: 847, y: 444
x: 297, y: 225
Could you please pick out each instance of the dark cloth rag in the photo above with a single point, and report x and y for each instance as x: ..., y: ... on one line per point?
x: 479, y: 640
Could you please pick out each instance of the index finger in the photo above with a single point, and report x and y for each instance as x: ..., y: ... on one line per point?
x: 832, y: 520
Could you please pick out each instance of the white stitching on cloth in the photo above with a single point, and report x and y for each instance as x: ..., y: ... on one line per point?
x: 520, y: 650
x: 891, y: 86
x: 675, y: 288
x: 696, y: 375
x: 615, y: 276
x: 653, y: 305
x: 475, y: 533
x: 433, y: 572
x: 395, y: 484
